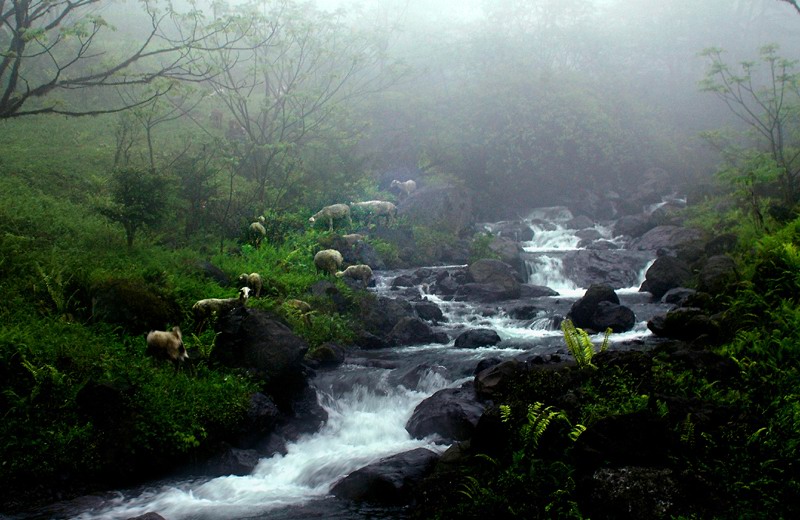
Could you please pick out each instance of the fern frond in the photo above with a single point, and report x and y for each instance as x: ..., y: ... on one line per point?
x: 579, y: 344
x: 576, y: 432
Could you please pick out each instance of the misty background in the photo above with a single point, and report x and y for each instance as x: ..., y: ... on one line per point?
x: 523, y: 102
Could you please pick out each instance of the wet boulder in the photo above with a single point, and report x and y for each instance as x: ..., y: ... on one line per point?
x: 584, y: 308
x: 493, y: 271
x: 327, y: 355
x: 684, y: 323
x: 668, y: 238
x: 256, y: 340
x: 612, y: 316
x: 490, y: 280
x: 522, y: 311
x: 679, y: 296
x: 261, y: 419
x: 148, y: 516
x: 580, y: 222
x: 514, y: 229
x: 403, y: 280
x: 599, y: 309
x: 508, y: 251
x: 495, y: 379
x: 390, y: 481
x: 379, y: 315
x: 632, y: 226
x: 450, y: 414
x: 429, y: 311
x: 413, y: 331
x: 535, y: 291
x: 447, y: 208
x: 232, y: 461
x: 667, y: 272
x: 717, y: 275
x: 476, y: 338
x: 588, y: 237
x: 617, y: 268
x: 413, y: 377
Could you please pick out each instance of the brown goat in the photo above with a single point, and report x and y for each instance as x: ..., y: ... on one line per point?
x: 167, y: 345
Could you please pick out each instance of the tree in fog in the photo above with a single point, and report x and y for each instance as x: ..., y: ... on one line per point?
x: 62, y: 46
x: 765, y: 95
x: 291, y: 92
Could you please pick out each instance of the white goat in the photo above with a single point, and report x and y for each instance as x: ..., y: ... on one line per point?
x: 328, y: 260
x: 404, y: 187
x: 251, y: 281
x: 257, y: 231
x: 361, y: 272
x: 167, y: 345
x: 373, y: 209
x: 210, y: 307
x: 335, y: 211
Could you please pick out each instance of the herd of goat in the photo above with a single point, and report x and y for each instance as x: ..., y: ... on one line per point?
x: 168, y: 345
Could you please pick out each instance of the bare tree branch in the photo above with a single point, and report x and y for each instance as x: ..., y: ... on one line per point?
x: 50, y: 45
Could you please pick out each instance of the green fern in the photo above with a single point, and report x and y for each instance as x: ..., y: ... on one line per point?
x: 539, y: 418
x: 580, y: 345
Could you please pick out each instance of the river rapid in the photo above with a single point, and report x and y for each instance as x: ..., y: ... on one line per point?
x: 372, y: 395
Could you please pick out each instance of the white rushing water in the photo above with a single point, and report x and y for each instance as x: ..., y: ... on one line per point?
x: 363, y: 425
x: 366, y: 413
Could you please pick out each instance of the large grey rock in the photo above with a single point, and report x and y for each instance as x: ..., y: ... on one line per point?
x: 254, y: 339
x: 684, y: 323
x: 667, y: 272
x: 390, y: 480
x: 475, y: 338
x: 413, y: 331
x: 447, y: 208
x: 584, y: 308
x: 380, y: 314
x: 451, y: 414
x: 612, y: 316
x: 717, y: 275
x: 617, y: 268
x: 632, y: 226
x: 668, y: 238
x: 490, y: 281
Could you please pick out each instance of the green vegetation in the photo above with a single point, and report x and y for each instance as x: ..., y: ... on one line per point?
x: 80, y: 401
x: 580, y: 345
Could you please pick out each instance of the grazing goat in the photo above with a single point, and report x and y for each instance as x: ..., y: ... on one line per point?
x: 257, y: 231
x: 335, y: 211
x: 251, y: 281
x: 361, y: 272
x: 167, y: 345
x: 404, y: 187
x: 300, y: 308
x: 373, y: 209
x: 328, y: 260
x: 210, y: 307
